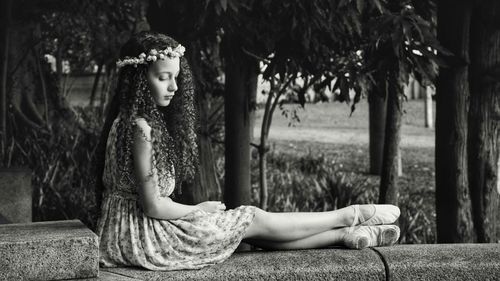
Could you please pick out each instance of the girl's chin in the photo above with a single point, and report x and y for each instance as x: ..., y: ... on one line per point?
x: 163, y: 103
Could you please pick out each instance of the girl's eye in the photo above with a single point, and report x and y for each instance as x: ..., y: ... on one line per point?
x: 163, y: 78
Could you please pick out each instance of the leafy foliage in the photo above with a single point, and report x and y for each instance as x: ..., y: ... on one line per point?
x: 316, y: 179
x: 87, y: 32
x: 403, y: 44
x: 316, y: 40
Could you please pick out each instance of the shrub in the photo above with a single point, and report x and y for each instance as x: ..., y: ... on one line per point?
x: 61, y: 164
x: 311, y: 183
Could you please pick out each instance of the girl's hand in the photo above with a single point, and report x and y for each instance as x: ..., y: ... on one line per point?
x: 211, y: 206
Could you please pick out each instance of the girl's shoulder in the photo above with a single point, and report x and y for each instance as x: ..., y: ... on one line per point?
x: 143, y: 129
x: 134, y: 122
x: 141, y: 121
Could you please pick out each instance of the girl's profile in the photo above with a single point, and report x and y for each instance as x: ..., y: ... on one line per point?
x: 151, y: 149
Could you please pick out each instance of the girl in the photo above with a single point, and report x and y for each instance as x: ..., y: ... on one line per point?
x: 151, y: 148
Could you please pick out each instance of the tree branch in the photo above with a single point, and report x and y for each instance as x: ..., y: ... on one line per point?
x: 44, y: 87
x: 276, y: 100
x: 24, y: 118
x: 255, y: 145
x: 255, y: 56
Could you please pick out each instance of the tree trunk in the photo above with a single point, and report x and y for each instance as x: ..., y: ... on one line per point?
x: 206, y: 185
x: 43, y: 86
x: 253, y: 109
x: 241, y: 82
x: 377, y: 106
x: 262, y: 149
x: 452, y: 200
x: 389, y: 191
x: 264, y: 194
x: 399, y: 159
x: 484, y: 121
x: 59, y: 67
x: 416, y: 89
x: 6, y: 16
x: 96, y: 84
x: 22, y: 81
x: 106, y: 89
x: 276, y: 91
x: 429, y: 116
x: 209, y: 184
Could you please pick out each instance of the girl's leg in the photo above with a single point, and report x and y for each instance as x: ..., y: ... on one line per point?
x: 293, y: 226
x: 323, y: 239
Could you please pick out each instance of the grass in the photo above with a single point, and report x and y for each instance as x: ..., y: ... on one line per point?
x: 333, y: 123
x: 338, y: 115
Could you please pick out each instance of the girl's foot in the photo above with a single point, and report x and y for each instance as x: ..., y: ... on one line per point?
x: 372, y: 214
x: 360, y: 237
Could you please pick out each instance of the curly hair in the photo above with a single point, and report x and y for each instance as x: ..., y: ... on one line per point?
x: 173, y: 128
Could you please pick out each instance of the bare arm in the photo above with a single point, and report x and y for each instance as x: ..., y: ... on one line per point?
x: 152, y: 204
x: 147, y: 185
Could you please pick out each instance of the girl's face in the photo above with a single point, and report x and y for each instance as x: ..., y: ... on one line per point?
x: 162, y: 75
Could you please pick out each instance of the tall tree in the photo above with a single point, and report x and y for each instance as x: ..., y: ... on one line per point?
x: 389, y: 191
x: 402, y: 44
x: 241, y: 84
x: 452, y: 199
x: 484, y: 120
x: 4, y: 49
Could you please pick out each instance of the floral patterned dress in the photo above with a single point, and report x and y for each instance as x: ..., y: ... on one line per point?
x: 130, y: 238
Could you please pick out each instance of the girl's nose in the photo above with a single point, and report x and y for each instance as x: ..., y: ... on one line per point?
x: 172, y: 87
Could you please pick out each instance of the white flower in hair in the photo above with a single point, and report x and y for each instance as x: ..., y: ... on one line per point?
x: 180, y: 49
x: 153, y: 55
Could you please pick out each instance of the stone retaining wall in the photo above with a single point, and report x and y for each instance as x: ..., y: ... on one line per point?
x: 48, y: 251
x: 69, y: 250
x: 401, y: 262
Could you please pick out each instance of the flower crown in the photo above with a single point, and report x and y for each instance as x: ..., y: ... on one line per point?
x: 153, y: 55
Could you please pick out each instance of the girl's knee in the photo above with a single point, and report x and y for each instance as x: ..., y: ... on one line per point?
x: 259, y: 223
x: 260, y: 217
x: 259, y: 212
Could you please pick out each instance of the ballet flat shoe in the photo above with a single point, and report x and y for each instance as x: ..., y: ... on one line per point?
x: 384, y: 214
x: 361, y: 237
